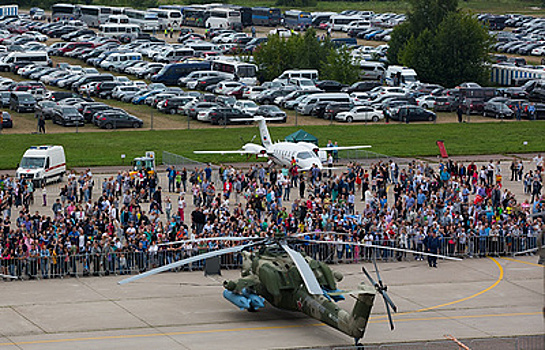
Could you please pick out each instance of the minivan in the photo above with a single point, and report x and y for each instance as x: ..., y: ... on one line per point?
x: 372, y: 70
x: 298, y: 73
x: 173, y: 54
x: 306, y: 105
x: 113, y: 59
x: 22, y: 102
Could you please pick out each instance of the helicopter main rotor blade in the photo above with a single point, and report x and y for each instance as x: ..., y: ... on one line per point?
x: 309, y: 279
x: 198, y: 240
x: 384, y: 247
x: 8, y: 276
x: 188, y: 261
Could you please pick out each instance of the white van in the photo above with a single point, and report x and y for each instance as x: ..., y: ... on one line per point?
x: 117, y: 57
x: 117, y: 19
x: 42, y: 163
x: 306, y: 105
x: 297, y: 73
x: 35, y: 57
x: 357, y: 24
x: 400, y: 76
x: 372, y: 70
x: 303, y: 83
x: 173, y: 54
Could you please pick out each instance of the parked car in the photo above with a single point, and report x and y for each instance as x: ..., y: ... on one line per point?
x: 22, y: 102
x: 228, y: 115
x: 472, y: 105
x: 45, y: 109
x: 413, y: 113
x: 330, y: 85
x: 446, y: 104
x: 116, y: 119
x: 333, y: 108
x: 272, y: 113
x: 498, y: 110
x: 67, y: 115
x: 6, y: 122
x: 360, y: 113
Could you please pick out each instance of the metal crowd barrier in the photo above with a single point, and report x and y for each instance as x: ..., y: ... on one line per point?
x: 126, y: 263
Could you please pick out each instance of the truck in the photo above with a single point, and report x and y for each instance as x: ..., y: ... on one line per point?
x: 145, y: 163
x: 41, y: 164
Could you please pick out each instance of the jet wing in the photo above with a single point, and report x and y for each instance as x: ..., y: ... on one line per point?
x: 240, y: 151
x: 340, y: 148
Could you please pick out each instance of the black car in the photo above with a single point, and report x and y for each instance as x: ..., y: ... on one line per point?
x: 104, y: 89
x: 228, y: 115
x: 172, y: 104
x: 22, y: 102
x: 319, y: 109
x: 330, y: 85
x: 116, y: 119
x: 413, y: 113
x: 45, y: 109
x: 90, y: 109
x: 6, y: 122
x: 267, y: 97
x: 203, y: 83
x: 498, y: 110
x: 67, y: 115
x: 361, y: 86
x: 333, y: 108
x: 272, y: 113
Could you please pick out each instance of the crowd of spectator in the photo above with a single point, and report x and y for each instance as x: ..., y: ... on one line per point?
x: 449, y: 208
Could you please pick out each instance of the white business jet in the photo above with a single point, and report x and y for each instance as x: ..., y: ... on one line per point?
x: 305, y: 154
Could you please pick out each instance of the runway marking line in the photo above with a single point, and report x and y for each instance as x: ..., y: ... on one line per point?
x: 132, y: 336
x: 523, y: 262
x: 498, y: 280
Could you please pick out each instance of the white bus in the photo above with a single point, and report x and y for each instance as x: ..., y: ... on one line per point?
x: 93, y: 16
x: 63, y: 11
x: 168, y: 18
x: 245, y: 72
x: 116, y: 30
x: 223, y: 18
x: 148, y: 21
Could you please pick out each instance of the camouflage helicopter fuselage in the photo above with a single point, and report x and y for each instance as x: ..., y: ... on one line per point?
x: 271, y: 274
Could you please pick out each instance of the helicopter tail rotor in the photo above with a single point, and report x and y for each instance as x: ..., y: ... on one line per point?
x: 382, y: 289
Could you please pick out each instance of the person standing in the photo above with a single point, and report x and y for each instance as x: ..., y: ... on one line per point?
x: 532, y: 111
x: 431, y: 243
x: 253, y: 32
x: 41, y: 125
x: 459, y: 113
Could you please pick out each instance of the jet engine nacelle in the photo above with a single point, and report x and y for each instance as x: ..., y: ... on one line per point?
x: 255, y: 148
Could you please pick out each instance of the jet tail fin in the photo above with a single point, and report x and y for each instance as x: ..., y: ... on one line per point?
x: 263, y: 131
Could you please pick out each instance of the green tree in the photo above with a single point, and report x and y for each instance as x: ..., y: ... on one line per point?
x: 303, y: 51
x: 339, y: 66
x: 442, y: 44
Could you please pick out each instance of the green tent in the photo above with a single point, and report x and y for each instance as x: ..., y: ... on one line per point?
x: 302, y: 136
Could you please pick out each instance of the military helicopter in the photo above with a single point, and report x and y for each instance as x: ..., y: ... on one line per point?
x: 274, y: 272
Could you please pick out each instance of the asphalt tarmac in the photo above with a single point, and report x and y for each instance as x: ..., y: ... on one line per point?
x: 474, y: 298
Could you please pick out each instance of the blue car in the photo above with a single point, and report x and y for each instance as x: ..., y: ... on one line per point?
x: 139, y: 99
x: 371, y: 35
